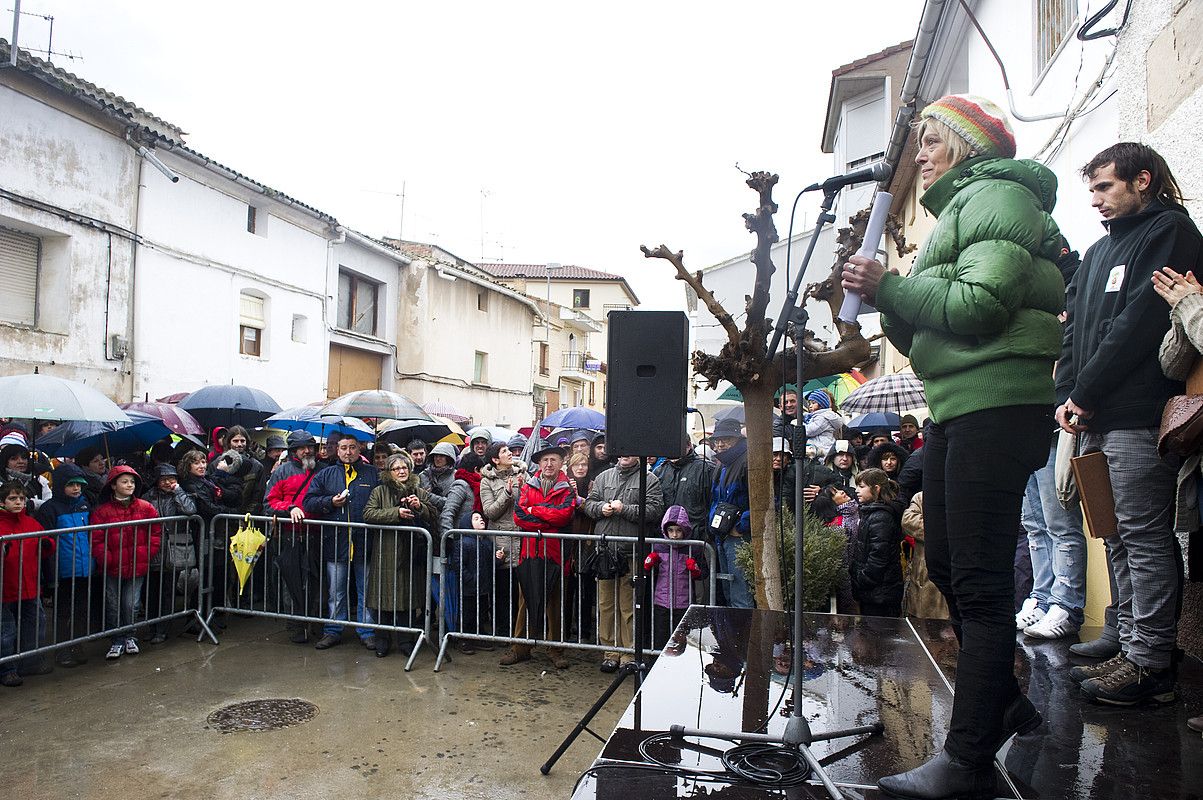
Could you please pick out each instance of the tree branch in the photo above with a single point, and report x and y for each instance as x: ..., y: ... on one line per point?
x: 761, y: 223
x: 694, y: 281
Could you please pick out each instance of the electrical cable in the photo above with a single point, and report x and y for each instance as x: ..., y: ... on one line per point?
x: 1086, y: 35
x: 758, y: 763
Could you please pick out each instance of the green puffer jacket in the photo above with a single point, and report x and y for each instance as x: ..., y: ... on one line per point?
x: 978, y: 313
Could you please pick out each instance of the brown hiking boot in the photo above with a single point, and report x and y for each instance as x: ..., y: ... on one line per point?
x: 515, y: 654
x: 1090, y: 672
x: 558, y: 658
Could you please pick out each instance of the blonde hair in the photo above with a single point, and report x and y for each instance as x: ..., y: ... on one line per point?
x: 574, y: 459
x: 959, y: 148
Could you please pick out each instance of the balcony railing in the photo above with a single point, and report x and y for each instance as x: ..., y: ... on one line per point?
x: 582, y: 362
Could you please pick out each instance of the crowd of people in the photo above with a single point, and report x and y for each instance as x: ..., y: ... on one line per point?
x: 1015, y: 339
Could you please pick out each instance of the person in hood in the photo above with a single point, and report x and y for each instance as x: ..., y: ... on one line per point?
x: 178, y: 555
x: 889, y: 458
x: 822, y: 422
x: 15, y: 460
x: 123, y: 552
x: 21, y: 606
x: 599, y: 458
x: 730, y: 509
x: 440, y: 474
x: 1112, y: 391
x: 676, y: 566
x: 841, y: 460
x: 977, y: 316
x: 69, y: 510
x: 615, y: 504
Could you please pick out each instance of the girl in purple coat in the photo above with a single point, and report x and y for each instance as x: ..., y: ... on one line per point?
x: 677, y: 566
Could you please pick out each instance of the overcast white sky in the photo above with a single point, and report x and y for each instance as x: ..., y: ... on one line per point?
x: 589, y: 128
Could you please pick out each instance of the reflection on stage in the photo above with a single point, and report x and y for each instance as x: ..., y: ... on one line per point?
x: 729, y: 669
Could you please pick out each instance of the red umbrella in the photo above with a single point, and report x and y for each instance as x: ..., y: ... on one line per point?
x: 174, y: 398
x: 174, y: 417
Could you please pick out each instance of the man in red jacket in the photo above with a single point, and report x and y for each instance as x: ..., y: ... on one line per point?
x: 123, y: 552
x: 545, y: 504
x: 21, y: 560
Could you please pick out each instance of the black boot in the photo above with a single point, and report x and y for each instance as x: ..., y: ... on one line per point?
x: 384, y: 643
x: 298, y: 634
x: 1019, y: 717
x: 941, y: 778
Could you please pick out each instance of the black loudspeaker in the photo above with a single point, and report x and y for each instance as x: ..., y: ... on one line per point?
x: 646, y: 383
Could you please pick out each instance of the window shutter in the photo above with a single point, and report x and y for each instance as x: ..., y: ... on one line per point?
x: 19, y: 276
x: 251, y: 311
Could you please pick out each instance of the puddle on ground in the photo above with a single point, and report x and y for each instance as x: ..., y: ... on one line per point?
x: 261, y: 715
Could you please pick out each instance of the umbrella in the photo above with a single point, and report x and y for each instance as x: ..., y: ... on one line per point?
x: 179, y: 420
x: 734, y: 412
x: 576, y: 417
x: 876, y: 419
x: 245, y: 545
x: 897, y: 393
x: 538, y: 578
x: 172, y: 399
x: 493, y: 432
x: 446, y: 410
x: 374, y: 403
x: 136, y: 435
x: 732, y: 394
x: 225, y: 405
x: 402, y: 431
x: 310, y: 419
x: 47, y: 397
x: 840, y: 386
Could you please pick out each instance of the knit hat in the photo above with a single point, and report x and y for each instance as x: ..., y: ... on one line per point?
x: 819, y: 396
x: 909, y: 418
x: 977, y: 121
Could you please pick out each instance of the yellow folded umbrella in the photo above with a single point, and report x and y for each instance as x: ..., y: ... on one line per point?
x: 245, y: 546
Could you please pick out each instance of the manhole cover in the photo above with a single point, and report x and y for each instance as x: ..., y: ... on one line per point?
x: 262, y: 715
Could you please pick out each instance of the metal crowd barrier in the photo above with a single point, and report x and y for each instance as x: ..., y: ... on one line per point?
x: 372, y: 578
x: 49, y: 605
x: 484, y: 600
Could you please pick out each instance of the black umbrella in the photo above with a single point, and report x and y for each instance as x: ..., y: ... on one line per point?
x: 538, y: 578
x: 222, y: 406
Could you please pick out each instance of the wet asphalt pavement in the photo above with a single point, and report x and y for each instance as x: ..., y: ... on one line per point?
x: 140, y: 727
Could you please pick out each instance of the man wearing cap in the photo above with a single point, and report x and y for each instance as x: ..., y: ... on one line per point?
x: 977, y: 316
x: 545, y: 504
x: 730, y: 509
x: 297, y: 560
x: 908, y: 433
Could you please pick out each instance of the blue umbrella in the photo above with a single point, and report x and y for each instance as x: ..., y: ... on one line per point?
x: 310, y: 420
x: 68, y: 439
x: 876, y: 419
x: 576, y: 417
x: 221, y: 405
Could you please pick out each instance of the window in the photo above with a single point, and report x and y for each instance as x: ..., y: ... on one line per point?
x: 544, y: 357
x: 1054, y: 20
x: 300, y: 328
x: 480, y: 370
x: 357, y: 301
x: 592, y: 394
x: 580, y: 298
x: 20, y: 255
x: 251, y: 213
x: 482, y: 300
x: 252, y: 321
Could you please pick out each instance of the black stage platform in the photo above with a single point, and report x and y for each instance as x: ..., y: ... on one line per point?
x: 726, y: 669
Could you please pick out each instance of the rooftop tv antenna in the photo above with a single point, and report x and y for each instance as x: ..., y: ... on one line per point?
x: 49, y: 51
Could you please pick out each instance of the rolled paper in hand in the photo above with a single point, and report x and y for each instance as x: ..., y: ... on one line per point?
x: 877, y: 226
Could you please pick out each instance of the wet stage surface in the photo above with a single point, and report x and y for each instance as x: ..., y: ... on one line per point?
x: 727, y: 669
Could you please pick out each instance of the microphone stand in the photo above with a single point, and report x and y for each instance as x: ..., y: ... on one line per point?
x: 798, y: 734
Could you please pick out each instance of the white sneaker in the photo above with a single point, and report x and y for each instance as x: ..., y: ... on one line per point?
x: 115, y: 652
x: 1056, y: 624
x: 1029, y: 614
x: 131, y: 646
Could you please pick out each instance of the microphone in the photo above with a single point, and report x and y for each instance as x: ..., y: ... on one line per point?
x: 878, y: 172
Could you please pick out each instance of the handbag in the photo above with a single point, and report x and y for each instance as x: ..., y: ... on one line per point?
x: 723, y: 520
x: 604, y: 562
x: 1181, y: 426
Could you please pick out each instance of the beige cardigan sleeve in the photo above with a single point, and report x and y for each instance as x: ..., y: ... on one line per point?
x: 1183, y: 342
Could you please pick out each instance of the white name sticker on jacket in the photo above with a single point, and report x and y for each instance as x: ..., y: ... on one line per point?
x: 1115, y: 279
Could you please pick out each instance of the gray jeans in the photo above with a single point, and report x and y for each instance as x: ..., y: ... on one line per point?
x: 1144, y: 556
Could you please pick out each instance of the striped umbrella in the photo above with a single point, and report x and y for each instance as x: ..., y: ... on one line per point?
x: 894, y: 393
x: 174, y: 417
x: 445, y: 410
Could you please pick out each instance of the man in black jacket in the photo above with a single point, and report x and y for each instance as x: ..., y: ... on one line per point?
x: 685, y: 482
x: 1112, y: 391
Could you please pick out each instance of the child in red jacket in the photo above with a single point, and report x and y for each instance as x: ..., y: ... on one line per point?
x: 123, y: 553
x: 20, y: 564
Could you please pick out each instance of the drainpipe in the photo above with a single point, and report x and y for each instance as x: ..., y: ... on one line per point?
x: 925, y: 40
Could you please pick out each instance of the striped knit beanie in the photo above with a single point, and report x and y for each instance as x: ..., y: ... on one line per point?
x: 819, y: 396
x: 977, y: 121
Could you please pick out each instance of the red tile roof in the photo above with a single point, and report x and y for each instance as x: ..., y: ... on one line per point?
x: 861, y: 62
x: 540, y: 271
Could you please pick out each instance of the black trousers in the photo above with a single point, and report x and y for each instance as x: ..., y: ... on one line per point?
x: 975, y: 469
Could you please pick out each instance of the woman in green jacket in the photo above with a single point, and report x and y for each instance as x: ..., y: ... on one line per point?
x: 977, y: 316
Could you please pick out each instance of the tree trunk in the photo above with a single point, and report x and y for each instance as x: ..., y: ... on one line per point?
x: 758, y: 415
